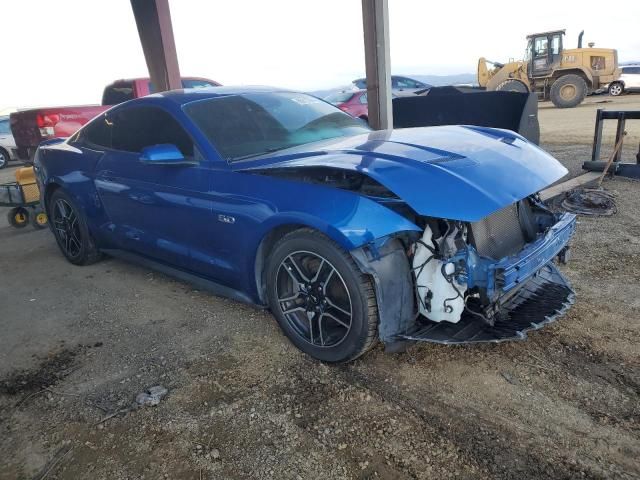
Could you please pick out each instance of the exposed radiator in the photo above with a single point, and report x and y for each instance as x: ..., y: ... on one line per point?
x: 500, y: 234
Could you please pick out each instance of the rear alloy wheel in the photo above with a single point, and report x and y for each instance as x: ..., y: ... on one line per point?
x: 71, y: 231
x: 512, y: 85
x: 568, y: 91
x: 616, y: 89
x: 18, y: 217
x: 322, y: 302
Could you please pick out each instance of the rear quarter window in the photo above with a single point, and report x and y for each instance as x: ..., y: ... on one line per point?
x: 97, y: 134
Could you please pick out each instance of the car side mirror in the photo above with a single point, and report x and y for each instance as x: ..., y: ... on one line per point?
x: 164, y: 154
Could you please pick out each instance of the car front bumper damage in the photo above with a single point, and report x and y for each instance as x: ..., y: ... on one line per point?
x: 527, y: 291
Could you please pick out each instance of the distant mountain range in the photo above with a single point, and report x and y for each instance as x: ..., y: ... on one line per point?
x: 435, y: 80
x: 442, y: 80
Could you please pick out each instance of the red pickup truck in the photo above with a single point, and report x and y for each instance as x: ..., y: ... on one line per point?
x: 30, y: 127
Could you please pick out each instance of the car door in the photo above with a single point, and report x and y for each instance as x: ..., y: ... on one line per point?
x: 154, y: 210
x: 632, y: 77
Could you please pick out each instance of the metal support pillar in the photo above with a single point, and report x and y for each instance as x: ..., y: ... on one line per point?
x: 153, y: 20
x: 375, y: 21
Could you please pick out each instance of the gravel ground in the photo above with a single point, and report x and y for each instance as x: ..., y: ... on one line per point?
x: 78, y: 345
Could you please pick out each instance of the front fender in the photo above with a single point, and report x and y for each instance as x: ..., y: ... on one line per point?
x: 365, y: 222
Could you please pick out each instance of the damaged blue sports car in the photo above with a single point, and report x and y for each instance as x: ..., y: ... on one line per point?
x: 347, y: 235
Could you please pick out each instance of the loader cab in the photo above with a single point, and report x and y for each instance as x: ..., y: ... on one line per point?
x: 544, y: 52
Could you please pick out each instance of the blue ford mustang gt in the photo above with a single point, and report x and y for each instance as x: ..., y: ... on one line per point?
x: 347, y: 235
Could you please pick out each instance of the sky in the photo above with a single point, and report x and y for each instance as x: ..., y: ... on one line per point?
x: 64, y: 52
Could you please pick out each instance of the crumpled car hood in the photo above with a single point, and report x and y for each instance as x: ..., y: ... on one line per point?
x: 455, y: 172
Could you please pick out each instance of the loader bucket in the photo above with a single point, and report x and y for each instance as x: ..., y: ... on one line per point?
x: 470, y: 106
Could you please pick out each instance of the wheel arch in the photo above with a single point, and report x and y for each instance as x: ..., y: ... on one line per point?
x: 48, y: 191
x: 276, y: 231
x: 266, y: 244
x: 587, y: 77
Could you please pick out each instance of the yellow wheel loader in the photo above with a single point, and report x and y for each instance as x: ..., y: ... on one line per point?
x: 564, y: 76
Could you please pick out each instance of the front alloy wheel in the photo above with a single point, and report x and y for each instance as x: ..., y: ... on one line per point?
x: 314, y: 299
x: 322, y: 301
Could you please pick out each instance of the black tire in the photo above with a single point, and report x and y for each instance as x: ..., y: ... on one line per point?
x: 18, y: 217
x: 317, y: 322
x: 39, y: 219
x: 70, y: 229
x: 616, y: 89
x: 568, y: 91
x: 4, y: 158
x: 512, y: 85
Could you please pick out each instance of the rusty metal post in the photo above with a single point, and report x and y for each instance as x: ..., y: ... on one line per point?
x: 375, y: 22
x: 153, y: 20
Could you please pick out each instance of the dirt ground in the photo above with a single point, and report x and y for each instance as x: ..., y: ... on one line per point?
x: 78, y: 344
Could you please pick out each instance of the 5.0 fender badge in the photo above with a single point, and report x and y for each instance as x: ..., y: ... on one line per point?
x: 226, y: 219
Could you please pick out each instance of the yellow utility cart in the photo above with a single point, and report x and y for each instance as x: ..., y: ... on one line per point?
x: 23, y: 196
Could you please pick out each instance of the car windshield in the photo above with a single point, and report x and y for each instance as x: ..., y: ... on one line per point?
x: 247, y: 125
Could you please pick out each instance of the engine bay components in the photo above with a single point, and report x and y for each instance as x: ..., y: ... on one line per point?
x: 440, y: 296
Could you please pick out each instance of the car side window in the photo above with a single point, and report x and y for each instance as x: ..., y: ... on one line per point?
x: 402, y: 82
x: 136, y: 128
x: 97, y: 133
x: 4, y: 127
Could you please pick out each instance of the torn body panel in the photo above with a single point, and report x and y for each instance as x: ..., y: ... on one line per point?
x: 454, y: 172
x: 498, y: 298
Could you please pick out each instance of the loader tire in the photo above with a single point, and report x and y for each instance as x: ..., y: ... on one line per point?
x: 512, y: 85
x: 568, y: 91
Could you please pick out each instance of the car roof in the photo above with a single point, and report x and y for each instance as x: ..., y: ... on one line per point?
x: 392, y: 76
x: 188, y: 95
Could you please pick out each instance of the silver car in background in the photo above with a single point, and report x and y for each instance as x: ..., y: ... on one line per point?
x: 400, y: 86
x: 7, y: 144
x: 629, y: 81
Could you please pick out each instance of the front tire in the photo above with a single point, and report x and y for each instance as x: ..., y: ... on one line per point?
x: 512, y: 85
x: 568, y: 91
x: 321, y: 300
x: 70, y: 229
x: 616, y: 89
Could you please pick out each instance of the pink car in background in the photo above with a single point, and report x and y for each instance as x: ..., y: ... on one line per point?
x: 354, y: 102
